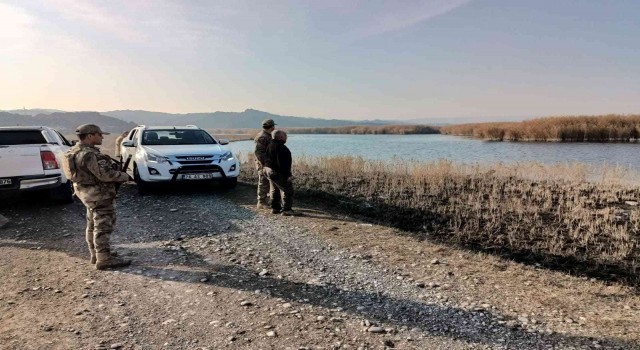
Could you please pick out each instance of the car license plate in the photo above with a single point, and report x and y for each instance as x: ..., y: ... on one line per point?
x: 5, y: 182
x: 197, y: 176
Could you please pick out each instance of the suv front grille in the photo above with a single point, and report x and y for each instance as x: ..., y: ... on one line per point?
x: 194, y: 159
x: 187, y: 162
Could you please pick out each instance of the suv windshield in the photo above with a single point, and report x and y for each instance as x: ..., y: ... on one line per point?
x: 177, y: 137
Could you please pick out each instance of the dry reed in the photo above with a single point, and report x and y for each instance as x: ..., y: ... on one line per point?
x: 546, y: 214
x: 369, y: 130
x: 607, y: 128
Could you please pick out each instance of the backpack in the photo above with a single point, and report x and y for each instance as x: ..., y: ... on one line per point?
x: 69, y: 165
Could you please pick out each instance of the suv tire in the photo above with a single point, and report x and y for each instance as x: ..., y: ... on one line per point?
x: 230, y: 183
x: 62, y: 194
x: 143, y: 186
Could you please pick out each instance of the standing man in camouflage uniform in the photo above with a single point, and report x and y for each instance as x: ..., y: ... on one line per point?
x: 119, y: 140
x: 94, y: 177
x: 262, y: 141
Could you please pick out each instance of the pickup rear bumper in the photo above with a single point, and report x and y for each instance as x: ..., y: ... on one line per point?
x: 28, y: 183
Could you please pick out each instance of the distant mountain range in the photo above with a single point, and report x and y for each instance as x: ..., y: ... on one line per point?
x: 33, y: 111
x: 250, y: 118
x: 66, y: 122
x: 117, y: 121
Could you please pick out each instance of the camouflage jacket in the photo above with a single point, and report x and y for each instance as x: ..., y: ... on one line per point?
x: 262, y: 141
x: 96, y: 174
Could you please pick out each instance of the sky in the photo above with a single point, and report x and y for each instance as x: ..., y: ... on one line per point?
x: 361, y: 59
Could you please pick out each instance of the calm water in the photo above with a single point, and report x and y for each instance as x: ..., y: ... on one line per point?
x: 459, y: 149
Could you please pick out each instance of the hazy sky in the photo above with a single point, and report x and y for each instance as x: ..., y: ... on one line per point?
x: 327, y: 58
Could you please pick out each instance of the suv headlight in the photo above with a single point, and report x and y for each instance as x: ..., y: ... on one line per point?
x: 227, y: 156
x: 156, y: 158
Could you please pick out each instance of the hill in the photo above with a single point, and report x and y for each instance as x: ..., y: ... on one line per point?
x: 249, y: 118
x: 33, y: 111
x: 66, y: 122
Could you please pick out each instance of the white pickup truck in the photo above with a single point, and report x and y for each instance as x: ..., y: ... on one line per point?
x: 31, y: 159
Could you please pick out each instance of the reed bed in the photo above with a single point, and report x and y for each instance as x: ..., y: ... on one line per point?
x: 607, y: 128
x: 235, y: 137
x: 569, y: 216
x: 369, y: 130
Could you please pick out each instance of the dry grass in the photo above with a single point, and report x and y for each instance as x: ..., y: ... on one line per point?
x: 235, y: 137
x: 234, y: 134
x: 368, y: 130
x: 616, y: 128
x: 546, y: 214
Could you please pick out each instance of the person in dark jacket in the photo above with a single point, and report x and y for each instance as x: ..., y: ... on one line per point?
x: 278, y: 169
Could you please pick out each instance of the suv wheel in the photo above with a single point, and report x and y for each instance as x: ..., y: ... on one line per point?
x: 143, y: 186
x: 230, y: 182
x: 63, y: 193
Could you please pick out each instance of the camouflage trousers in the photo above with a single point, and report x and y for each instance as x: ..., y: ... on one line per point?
x: 101, y: 220
x: 281, y: 193
x: 264, y: 186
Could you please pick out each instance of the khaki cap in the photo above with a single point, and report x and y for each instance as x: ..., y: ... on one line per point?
x: 89, y: 129
x: 268, y: 123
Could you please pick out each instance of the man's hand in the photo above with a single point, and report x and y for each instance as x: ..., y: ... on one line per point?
x: 267, y: 171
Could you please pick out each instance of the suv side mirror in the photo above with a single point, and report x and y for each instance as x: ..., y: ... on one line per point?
x: 223, y: 141
x: 128, y: 143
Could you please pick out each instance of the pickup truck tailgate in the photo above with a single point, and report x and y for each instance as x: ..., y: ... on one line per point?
x: 20, y: 160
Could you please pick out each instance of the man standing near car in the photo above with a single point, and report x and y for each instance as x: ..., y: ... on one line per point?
x: 278, y: 169
x: 119, y: 140
x: 262, y: 141
x: 94, y: 177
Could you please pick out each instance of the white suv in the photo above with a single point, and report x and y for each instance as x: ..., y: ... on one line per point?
x: 172, y: 154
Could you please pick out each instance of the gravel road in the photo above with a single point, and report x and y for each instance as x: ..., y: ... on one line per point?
x: 210, y: 271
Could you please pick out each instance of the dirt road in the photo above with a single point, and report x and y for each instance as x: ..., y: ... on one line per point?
x: 210, y: 272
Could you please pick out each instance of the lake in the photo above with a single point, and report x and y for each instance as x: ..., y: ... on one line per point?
x: 459, y: 149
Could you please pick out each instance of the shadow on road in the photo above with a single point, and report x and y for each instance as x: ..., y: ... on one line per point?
x: 181, y: 214
x: 436, y: 320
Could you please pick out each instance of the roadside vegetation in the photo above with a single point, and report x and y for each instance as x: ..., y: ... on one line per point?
x: 569, y: 217
x: 368, y: 130
x: 607, y: 128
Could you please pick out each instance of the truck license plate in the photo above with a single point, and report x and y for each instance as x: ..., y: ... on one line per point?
x: 197, y: 176
x: 5, y: 182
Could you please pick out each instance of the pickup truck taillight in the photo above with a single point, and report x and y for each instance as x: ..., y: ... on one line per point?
x: 48, y: 160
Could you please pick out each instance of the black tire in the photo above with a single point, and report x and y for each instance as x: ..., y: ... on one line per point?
x: 62, y: 194
x: 143, y: 186
x: 230, y: 183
